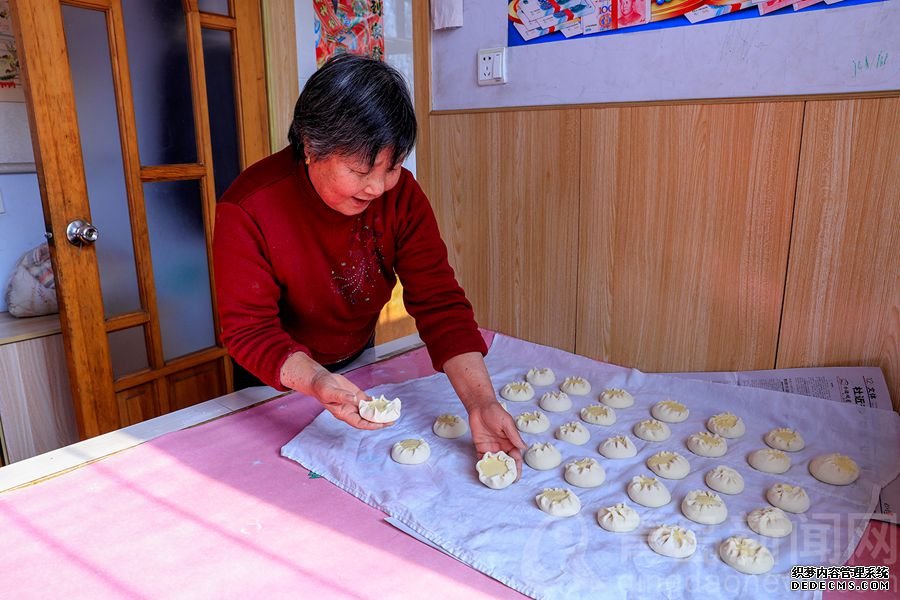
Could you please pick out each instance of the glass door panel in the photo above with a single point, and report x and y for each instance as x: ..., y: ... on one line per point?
x: 180, y: 266
x: 158, y: 58
x: 220, y: 97
x: 128, y: 351
x: 95, y: 101
x: 219, y: 7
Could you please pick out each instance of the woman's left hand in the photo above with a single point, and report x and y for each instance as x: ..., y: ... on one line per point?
x: 493, y: 430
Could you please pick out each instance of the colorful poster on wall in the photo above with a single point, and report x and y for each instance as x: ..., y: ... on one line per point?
x: 10, y: 80
x: 536, y: 21
x: 348, y: 27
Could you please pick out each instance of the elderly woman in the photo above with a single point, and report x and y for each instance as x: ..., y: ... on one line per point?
x: 309, y: 243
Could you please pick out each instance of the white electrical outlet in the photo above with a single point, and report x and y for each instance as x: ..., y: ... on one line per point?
x: 491, y: 66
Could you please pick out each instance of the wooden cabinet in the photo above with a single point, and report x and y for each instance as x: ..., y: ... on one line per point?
x: 36, y: 413
x: 36, y: 410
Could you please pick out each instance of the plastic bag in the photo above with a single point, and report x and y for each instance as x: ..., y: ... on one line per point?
x: 32, y: 287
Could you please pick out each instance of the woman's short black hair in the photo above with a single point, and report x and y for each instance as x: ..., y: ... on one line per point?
x: 354, y: 106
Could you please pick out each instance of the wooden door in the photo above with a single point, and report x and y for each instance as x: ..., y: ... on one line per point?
x: 141, y: 112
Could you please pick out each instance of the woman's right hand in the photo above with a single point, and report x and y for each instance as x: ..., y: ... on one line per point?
x: 341, y: 397
x: 338, y: 395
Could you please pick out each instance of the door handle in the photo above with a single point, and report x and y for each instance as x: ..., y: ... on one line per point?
x: 81, y: 233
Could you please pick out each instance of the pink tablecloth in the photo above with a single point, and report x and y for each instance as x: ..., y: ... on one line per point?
x: 215, y: 512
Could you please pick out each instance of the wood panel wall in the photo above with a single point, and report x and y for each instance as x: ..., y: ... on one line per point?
x: 506, y: 196
x: 842, y: 298
x: 684, y: 228
x: 280, y: 36
x: 707, y: 236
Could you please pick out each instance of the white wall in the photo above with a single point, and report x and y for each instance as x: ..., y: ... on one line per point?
x: 787, y: 54
x: 21, y: 226
x: 15, y: 139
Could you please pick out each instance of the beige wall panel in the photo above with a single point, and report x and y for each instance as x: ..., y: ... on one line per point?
x: 394, y: 322
x: 36, y: 410
x: 684, y: 232
x: 505, y: 190
x: 842, y: 301
x: 280, y: 37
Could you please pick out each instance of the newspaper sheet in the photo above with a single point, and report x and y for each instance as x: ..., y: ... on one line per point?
x: 864, y: 386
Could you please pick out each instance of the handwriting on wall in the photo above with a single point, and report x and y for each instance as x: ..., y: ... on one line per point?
x: 868, y: 63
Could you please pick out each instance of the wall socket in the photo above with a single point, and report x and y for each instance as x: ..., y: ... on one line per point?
x: 491, y: 66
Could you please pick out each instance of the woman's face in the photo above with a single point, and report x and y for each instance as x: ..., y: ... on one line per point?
x: 348, y: 185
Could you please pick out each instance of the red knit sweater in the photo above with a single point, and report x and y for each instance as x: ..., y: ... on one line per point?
x: 294, y: 275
